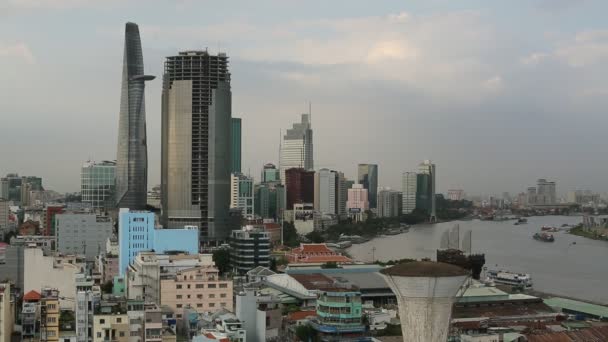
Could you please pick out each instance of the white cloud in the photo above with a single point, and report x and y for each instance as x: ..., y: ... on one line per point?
x: 534, y: 58
x: 17, y: 50
x: 587, y: 48
x: 493, y: 84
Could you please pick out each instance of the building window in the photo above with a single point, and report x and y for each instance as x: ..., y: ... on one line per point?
x: 188, y: 296
x: 179, y: 286
x: 118, y: 320
x: 211, y: 286
x: 222, y: 295
x: 102, y: 321
x: 178, y: 297
x: 179, y: 305
x: 200, y: 296
x: 98, y: 334
x: 199, y: 305
x: 211, y: 305
x: 200, y: 286
x: 121, y: 334
x: 212, y: 295
x: 188, y: 285
x: 223, y: 286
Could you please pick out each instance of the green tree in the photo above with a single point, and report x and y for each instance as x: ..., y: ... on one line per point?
x: 315, y: 237
x: 330, y: 264
x: 290, y: 235
x: 306, y: 333
x: 221, y: 258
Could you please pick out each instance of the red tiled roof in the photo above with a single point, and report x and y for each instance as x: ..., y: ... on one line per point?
x: 32, y: 296
x: 299, y: 315
x: 325, y: 258
x: 313, y: 248
x: 583, y: 335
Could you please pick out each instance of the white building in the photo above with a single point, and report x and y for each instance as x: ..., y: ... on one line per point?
x: 408, y: 189
x: 241, y: 194
x: 82, y: 234
x: 456, y: 194
x: 97, y: 183
x: 545, y: 192
x: 85, y: 305
x: 389, y: 203
x: 303, y: 218
x: 297, y: 147
x: 325, y: 191
x: 261, y: 315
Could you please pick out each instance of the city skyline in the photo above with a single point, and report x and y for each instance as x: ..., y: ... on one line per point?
x: 557, y: 63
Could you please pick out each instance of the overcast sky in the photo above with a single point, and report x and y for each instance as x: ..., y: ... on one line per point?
x: 496, y: 93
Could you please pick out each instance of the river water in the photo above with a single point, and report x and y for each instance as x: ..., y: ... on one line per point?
x: 575, y: 270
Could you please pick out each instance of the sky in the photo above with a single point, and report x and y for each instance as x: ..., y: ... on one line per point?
x: 496, y: 93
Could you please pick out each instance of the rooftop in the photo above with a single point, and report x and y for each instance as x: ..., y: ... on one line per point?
x: 578, y: 306
x: 425, y: 269
x: 584, y: 335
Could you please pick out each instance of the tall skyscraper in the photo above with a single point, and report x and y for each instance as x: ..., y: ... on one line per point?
x: 408, y: 188
x: 389, y: 203
x: 299, y: 187
x: 325, y: 191
x: 270, y: 174
x: 196, y: 145
x: 342, y: 186
x: 426, y: 188
x: 368, y: 177
x: 241, y: 194
x: 236, y: 145
x: 132, y: 153
x: 297, y: 147
x: 97, y: 182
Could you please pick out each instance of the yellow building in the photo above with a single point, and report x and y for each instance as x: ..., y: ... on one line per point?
x: 49, y: 315
x: 111, y: 327
x: 6, y: 313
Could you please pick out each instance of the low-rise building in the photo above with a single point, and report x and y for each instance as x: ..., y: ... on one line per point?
x: 339, y: 313
x: 82, y: 233
x: 315, y: 253
x: 260, y: 314
x: 6, y: 312
x: 249, y: 249
x: 111, y: 327
x: 30, y: 316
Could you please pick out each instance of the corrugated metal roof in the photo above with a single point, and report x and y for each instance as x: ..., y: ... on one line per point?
x: 577, y: 306
x: 595, y: 334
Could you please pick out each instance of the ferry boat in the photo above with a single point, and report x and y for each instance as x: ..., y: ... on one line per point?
x: 510, y: 278
x: 544, y: 237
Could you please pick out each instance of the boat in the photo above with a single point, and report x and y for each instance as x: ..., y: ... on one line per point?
x: 522, y: 220
x: 509, y: 278
x: 544, y: 236
x: 549, y: 229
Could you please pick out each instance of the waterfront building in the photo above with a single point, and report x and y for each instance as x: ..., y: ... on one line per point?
x: 97, y: 183
x: 389, y: 203
x: 425, y: 188
x: 6, y: 312
x: 586, y: 197
x: 325, y: 191
x: 137, y: 232
x: 249, y: 249
x: 241, y: 194
x: 82, y: 234
x: 269, y: 201
x: 545, y: 192
x: 132, y: 152
x: 358, y: 201
x: 196, y: 144
x: 299, y: 186
x: 315, y: 253
x: 456, y: 194
x: 409, y: 188
x: 368, y: 177
x: 270, y: 174
x: 236, y: 145
x: 297, y: 147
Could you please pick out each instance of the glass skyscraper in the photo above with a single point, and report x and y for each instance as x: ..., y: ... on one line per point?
x: 297, y: 147
x: 368, y: 177
x: 132, y: 153
x: 97, y: 184
x: 236, y: 145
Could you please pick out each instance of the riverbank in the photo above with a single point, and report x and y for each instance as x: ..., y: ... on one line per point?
x: 589, y: 234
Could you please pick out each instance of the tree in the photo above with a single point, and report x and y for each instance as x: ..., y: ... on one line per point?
x: 221, y: 258
x: 315, y: 237
x: 306, y: 333
x: 330, y: 264
x: 290, y: 235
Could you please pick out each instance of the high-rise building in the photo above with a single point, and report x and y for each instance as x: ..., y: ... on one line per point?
x: 241, y: 194
x: 325, y: 191
x: 368, y: 177
x: 545, y: 192
x: 358, y: 201
x: 4, y: 215
x: 97, y: 183
x: 249, y: 249
x: 342, y: 187
x: 270, y: 174
x: 456, y: 194
x: 408, y: 189
x: 299, y: 186
x: 10, y: 187
x: 269, y: 201
x: 132, y: 151
x: 389, y: 203
x: 425, y: 188
x: 236, y: 145
x: 196, y: 145
x: 297, y: 147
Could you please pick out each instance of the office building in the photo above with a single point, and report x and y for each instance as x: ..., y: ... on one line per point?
x: 342, y: 187
x: 299, y: 186
x: 270, y: 174
x: 357, y: 202
x: 10, y: 187
x: 368, y: 177
x: 137, y: 233
x: 408, y: 189
x: 249, y: 249
x: 236, y: 136
x: 4, y: 216
x: 546, y: 193
x: 97, y: 184
x: 456, y: 194
x: 269, y: 201
x: 325, y: 191
x: 132, y: 153
x: 82, y: 234
x: 297, y: 147
x: 241, y: 194
x: 390, y: 203
x: 425, y: 189
x: 196, y: 146
x: 6, y: 312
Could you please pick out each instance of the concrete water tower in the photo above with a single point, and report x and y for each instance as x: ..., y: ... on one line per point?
x: 425, y: 291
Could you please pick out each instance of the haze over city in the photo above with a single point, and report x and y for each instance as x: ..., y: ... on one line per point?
x: 496, y: 94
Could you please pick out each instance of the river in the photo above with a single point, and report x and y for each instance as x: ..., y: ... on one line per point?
x: 575, y: 270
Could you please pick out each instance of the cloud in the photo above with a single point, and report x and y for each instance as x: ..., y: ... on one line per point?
x: 587, y: 48
x: 534, y: 58
x: 17, y: 50
x: 53, y: 4
x: 493, y: 84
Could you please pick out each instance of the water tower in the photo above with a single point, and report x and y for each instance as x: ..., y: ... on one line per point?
x: 425, y: 291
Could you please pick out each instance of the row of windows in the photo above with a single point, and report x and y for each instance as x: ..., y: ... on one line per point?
x: 201, y: 286
x: 200, y: 296
x: 199, y: 305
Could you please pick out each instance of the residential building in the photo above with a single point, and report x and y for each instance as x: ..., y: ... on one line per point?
x: 111, y: 327
x: 236, y: 136
x: 200, y: 287
x: 297, y: 147
x: 425, y: 188
x: 261, y: 315
x: 358, y: 201
x: 196, y: 144
x: 6, y: 312
x: 49, y: 221
x: 97, y: 183
x: 249, y: 249
x: 30, y: 316
x: 389, y: 202
x: 325, y: 191
x: 545, y: 192
x: 86, y: 303
x: 137, y: 232
x: 270, y: 174
x: 315, y: 253
x: 82, y: 233
x: 408, y: 189
x: 49, y: 315
x: 456, y: 194
x: 368, y: 178
x: 132, y: 152
x: 241, y: 194
x: 339, y: 314
x: 299, y: 186
x: 269, y: 201
x: 29, y: 228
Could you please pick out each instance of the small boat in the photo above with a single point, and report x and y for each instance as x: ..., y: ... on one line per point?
x: 549, y: 229
x: 544, y: 237
x: 509, y: 278
x: 522, y: 220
